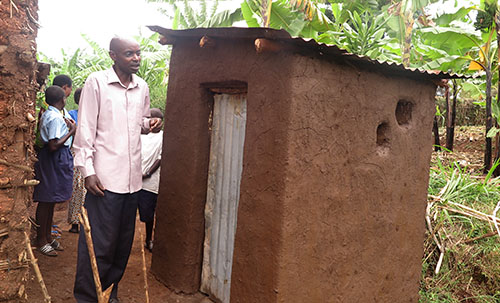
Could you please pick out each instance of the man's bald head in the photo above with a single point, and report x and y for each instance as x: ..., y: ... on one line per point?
x: 126, y: 54
x: 118, y: 43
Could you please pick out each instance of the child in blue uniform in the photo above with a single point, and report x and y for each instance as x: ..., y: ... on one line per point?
x: 54, y: 168
x: 74, y: 113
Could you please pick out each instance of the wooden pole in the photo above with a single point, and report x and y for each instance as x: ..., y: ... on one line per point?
x: 146, y: 287
x: 25, y: 183
x: 102, y: 297
x: 207, y: 42
x: 38, y: 273
x: 22, y: 167
x: 265, y: 45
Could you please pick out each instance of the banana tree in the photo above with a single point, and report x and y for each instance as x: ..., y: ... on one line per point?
x: 360, y: 34
x: 302, y: 18
x: 204, y: 13
x: 488, y: 21
x: 405, y: 13
x: 451, y: 113
x: 458, y: 48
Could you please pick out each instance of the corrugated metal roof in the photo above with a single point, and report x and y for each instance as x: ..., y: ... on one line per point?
x: 323, y: 50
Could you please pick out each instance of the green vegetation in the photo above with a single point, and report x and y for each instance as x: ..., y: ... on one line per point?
x: 461, y: 233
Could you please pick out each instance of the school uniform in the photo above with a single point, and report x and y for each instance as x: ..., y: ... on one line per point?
x: 54, y: 169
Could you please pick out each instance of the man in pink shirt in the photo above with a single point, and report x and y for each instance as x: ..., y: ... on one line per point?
x: 114, y: 111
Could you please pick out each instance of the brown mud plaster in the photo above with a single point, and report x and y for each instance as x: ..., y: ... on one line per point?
x: 335, y: 169
x: 18, y: 87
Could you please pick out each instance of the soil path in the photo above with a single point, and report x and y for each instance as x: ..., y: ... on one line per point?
x: 59, y: 273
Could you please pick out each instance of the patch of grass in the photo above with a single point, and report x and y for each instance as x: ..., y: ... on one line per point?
x: 457, y: 218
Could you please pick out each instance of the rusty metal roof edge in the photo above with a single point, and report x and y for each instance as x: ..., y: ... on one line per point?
x: 388, y: 64
x: 253, y: 32
x: 223, y: 32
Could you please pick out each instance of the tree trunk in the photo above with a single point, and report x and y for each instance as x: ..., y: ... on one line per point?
x: 496, y: 172
x: 489, y: 121
x: 449, y: 140
x: 18, y: 86
x: 435, y: 130
x: 451, y: 116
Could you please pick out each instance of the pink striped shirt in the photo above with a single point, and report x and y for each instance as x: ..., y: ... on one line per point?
x: 108, y: 137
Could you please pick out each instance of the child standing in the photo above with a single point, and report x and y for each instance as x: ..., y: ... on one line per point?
x: 76, y: 96
x: 151, y: 159
x: 54, y: 168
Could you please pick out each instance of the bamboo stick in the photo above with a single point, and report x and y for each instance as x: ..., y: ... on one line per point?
x: 33, y: 222
x: 102, y: 297
x: 146, y: 287
x: 38, y: 273
x: 24, y: 184
x: 32, y: 19
x: 429, y: 226
x: 4, y: 232
x: 12, y: 4
x: 22, y: 167
x: 439, y: 263
x: 7, y: 265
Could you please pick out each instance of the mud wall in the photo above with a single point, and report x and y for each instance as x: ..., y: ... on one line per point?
x: 357, y: 179
x: 179, y: 231
x: 18, y: 88
x: 335, y: 172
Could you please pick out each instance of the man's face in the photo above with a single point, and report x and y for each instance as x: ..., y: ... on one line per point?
x: 127, y: 57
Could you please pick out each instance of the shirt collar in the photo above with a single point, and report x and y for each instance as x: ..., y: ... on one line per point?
x: 113, y: 78
x: 53, y: 109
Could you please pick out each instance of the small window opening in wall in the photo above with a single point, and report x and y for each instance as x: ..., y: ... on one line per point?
x: 403, y: 112
x: 383, y: 133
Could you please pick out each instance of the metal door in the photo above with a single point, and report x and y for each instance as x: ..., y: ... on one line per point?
x: 223, y: 193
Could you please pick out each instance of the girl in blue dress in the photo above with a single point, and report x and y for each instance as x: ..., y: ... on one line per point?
x: 54, y: 168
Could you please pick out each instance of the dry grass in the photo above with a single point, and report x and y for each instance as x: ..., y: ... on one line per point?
x: 462, y: 249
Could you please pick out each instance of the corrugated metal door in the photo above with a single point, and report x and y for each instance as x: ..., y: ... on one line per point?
x: 223, y: 193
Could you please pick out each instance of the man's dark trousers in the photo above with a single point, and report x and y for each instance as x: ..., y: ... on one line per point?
x: 112, y: 222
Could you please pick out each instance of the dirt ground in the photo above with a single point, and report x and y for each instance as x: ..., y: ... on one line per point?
x: 59, y: 273
x: 468, y: 149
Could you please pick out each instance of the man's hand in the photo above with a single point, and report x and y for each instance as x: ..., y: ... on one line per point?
x: 94, y: 186
x: 155, y: 125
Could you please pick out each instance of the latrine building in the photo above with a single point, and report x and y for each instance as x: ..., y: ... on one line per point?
x: 292, y: 171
